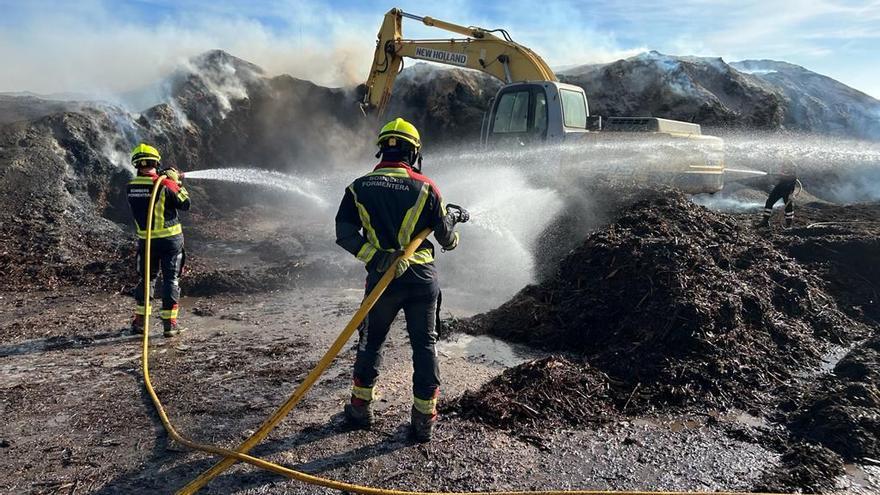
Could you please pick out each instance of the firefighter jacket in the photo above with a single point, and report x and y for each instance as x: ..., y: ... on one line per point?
x: 384, y: 209
x: 170, y: 198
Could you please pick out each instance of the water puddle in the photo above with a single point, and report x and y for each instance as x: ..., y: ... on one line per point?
x: 827, y: 362
x: 484, y: 349
x: 863, y: 478
x: 677, y: 424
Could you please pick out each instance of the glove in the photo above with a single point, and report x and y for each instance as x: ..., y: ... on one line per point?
x: 453, y: 244
x: 172, y: 174
x: 383, y: 260
x: 459, y: 214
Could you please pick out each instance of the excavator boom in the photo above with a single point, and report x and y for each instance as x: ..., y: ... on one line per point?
x: 481, y: 50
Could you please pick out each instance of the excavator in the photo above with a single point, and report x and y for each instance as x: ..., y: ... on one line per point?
x: 533, y: 109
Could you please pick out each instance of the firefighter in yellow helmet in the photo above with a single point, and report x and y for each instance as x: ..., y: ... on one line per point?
x: 167, y: 252
x: 379, y: 214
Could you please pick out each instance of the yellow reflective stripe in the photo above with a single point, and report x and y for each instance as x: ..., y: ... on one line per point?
x: 169, y: 314
x: 425, y: 406
x: 391, y: 172
x: 362, y: 393
x: 422, y: 257
x: 365, y: 220
x: 166, y: 232
x: 140, y: 180
x: 367, y: 252
x: 140, y: 310
x: 412, y: 216
x: 182, y: 195
x: 159, y: 213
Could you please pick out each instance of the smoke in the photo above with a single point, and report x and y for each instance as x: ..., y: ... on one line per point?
x: 96, y: 49
x: 726, y: 203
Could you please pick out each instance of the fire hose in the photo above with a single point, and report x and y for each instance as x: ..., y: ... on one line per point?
x: 230, y: 457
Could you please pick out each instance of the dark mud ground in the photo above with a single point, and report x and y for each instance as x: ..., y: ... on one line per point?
x: 77, y: 419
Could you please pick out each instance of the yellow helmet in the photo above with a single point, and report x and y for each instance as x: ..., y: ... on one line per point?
x: 144, y: 152
x: 399, y: 128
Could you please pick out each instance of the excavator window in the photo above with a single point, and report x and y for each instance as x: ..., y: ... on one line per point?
x: 521, y: 112
x: 574, y: 109
x: 513, y: 113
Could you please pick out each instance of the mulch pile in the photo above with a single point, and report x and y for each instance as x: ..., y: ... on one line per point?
x: 842, y: 245
x: 805, y: 467
x: 50, y: 250
x: 679, y: 306
x: 543, y: 392
x: 842, y: 412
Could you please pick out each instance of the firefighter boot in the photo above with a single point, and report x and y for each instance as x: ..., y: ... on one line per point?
x: 137, y: 325
x: 171, y: 328
x: 422, y: 425
x: 359, y: 413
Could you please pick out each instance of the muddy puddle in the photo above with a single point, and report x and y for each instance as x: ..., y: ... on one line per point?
x: 482, y: 349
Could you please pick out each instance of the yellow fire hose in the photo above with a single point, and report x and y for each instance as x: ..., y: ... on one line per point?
x: 240, y: 454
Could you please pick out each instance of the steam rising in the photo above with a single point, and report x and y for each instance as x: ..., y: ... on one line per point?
x: 834, y: 169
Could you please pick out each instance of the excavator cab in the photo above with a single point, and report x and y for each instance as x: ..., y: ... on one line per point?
x: 527, y: 112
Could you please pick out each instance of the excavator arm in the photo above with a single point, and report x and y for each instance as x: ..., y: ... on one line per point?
x: 481, y: 50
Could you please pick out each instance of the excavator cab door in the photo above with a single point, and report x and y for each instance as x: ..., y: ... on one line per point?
x: 518, y: 116
x: 530, y: 112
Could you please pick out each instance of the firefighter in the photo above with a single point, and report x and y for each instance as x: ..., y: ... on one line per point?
x: 378, y: 216
x: 166, y: 250
x: 784, y: 190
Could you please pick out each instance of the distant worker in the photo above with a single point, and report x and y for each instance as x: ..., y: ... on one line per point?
x: 166, y: 250
x: 379, y: 215
x: 787, y: 187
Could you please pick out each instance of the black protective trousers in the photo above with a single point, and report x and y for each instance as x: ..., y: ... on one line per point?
x: 167, y: 255
x: 419, y: 304
x: 783, y: 191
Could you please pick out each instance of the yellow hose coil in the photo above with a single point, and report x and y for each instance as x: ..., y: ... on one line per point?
x: 240, y: 454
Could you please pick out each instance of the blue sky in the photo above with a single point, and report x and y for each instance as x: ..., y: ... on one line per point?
x: 95, y: 45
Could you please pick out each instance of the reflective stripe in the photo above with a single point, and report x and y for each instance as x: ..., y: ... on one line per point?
x: 425, y: 406
x: 159, y: 212
x: 367, y: 252
x: 422, y: 257
x: 363, y: 393
x: 390, y: 172
x: 412, y: 216
x: 169, y: 314
x: 182, y: 195
x: 365, y: 220
x: 141, y: 180
x: 141, y: 310
x: 159, y: 234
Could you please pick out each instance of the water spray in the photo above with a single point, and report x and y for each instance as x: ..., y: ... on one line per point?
x: 288, y: 183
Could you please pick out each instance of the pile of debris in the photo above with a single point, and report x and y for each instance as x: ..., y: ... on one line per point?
x: 545, y: 392
x: 842, y: 245
x: 842, y: 412
x: 680, y: 305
